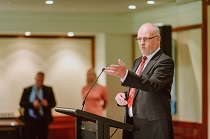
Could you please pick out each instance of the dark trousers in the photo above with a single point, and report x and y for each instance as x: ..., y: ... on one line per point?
x: 144, y: 129
x: 36, y: 129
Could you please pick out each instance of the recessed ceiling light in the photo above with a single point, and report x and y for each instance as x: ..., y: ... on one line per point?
x: 27, y: 33
x: 70, y: 34
x: 150, y: 2
x: 49, y: 2
x: 131, y: 7
x: 159, y: 24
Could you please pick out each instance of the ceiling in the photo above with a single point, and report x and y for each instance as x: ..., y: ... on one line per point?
x: 84, y: 6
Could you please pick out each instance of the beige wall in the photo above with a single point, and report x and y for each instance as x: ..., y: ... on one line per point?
x: 117, y: 47
x: 65, y: 62
x: 188, y: 75
x: 174, y: 15
x: 61, y: 23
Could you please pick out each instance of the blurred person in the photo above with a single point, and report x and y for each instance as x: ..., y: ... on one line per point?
x: 147, y: 101
x: 97, y: 99
x: 37, y: 101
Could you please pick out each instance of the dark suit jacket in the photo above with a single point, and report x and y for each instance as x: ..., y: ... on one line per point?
x: 152, y: 96
x: 47, y: 94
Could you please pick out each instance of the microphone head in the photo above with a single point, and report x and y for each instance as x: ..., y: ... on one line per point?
x: 103, y: 69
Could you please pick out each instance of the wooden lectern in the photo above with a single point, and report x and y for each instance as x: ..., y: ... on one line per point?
x: 102, y: 124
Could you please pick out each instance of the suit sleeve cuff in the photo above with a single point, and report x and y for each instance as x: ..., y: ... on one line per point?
x: 123, y: 79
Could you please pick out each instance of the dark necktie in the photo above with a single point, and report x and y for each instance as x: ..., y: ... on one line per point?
x: 38, y: 111
x: 132, y: 90
x: 37, y: 94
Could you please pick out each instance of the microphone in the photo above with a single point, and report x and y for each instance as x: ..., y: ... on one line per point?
x: 83, y: 103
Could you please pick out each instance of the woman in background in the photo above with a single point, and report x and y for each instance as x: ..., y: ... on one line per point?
x: 96, y: 100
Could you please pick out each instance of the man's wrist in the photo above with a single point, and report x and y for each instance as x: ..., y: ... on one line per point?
x: 123, y: 79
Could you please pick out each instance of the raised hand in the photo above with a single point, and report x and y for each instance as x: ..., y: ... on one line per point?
x: 117, y: 70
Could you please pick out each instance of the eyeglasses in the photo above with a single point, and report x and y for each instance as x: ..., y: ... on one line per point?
x: 145, y: 39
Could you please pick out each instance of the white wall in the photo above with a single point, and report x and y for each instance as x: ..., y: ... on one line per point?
x: 100, y: 57
x: 64, y: 61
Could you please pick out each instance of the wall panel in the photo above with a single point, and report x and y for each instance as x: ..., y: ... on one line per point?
x: 65, y: 62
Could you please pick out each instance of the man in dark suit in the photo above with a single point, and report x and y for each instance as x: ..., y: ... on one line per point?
x: 148, y: 109
x: 37, y: 101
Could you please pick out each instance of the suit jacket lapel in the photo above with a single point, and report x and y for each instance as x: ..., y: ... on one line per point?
x: 152, y: 62
x: 149, y: 65
x: 44, y: 91
x: 138, y: 61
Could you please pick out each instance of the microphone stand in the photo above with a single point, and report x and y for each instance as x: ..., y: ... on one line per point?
x: 83, y: 103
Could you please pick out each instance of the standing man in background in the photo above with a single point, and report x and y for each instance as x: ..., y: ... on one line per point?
x: 37, y: 101
x: 147, y: 101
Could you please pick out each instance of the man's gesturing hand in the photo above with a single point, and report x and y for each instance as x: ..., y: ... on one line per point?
x: 117, y: 70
